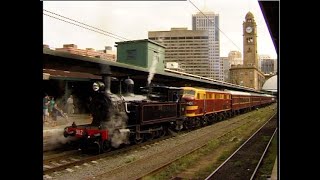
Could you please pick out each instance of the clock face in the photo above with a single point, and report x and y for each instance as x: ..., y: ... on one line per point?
x: 249, y: 29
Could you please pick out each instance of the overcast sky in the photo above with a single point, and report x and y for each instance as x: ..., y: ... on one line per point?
x: 133, y: 20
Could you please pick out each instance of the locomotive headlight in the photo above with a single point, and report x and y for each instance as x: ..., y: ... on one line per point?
x: 98, y: 86
x: 95, y: 86
x: 190, y: 103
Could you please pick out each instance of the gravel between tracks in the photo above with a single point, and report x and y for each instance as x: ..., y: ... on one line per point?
x: 129, y: 162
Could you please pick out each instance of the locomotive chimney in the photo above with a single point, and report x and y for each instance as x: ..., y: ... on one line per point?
x: 106, y: 77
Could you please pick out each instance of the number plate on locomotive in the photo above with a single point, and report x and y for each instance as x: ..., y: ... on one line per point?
x: 79, y: 131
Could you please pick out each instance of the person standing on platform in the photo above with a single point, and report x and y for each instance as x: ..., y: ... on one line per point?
x: 56, y: 111
x: 70, y: 105
x: 51, y: 105
x: 45, y: 108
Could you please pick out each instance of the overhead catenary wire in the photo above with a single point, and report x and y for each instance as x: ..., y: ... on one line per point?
x: 82, y: 26
x: 214, y: 26
x: 95, y: 29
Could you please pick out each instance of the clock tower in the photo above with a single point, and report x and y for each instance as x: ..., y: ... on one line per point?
x: 248, y: 74
x: 250, y: 53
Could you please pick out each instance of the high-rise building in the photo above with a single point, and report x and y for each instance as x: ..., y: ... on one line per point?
x: 267, y: 66
x: 226, y: 67
x: 185, y: 50
x: 210, y: 21
x: 262, y: 57
x: 275, y: 70
x: 235, y: 58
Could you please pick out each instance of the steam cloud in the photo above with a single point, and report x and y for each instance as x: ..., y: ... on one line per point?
x: 54, y: 139
x: 117, y: 120
x: 152, y: 69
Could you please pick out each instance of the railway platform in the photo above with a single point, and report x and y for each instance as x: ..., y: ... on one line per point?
x: 62, y: 122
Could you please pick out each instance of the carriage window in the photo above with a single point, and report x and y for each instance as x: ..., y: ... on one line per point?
x: 198, y: 96
x: 219, y: 96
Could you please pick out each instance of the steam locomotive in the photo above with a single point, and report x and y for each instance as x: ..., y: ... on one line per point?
x: 130, y: 118
x: 127, y: 118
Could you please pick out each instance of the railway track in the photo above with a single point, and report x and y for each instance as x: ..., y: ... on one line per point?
x: 134, y: 174
x: 254, y: 174
x: 59, y: 155
x: 62, y: 161
x: 75, y: 158
x: 245, y: 161
x: 188, y: 153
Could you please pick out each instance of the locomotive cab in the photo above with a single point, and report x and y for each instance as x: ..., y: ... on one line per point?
x: 162, y: 93
x: 189, y: 96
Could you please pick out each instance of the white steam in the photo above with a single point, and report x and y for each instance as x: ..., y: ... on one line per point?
x: 117, y: 120
x: 153, y: 66
x: 53, y: 139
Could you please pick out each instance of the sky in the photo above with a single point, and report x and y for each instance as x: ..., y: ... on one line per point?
x: 133, y: 19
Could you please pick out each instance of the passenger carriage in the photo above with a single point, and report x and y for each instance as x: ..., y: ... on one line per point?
x: 240, y: 101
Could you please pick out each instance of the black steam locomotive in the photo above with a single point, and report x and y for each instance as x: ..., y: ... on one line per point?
x: 129, y: 118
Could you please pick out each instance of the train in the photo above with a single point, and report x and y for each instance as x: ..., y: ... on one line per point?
x: 130, y: 118
x: 205, y: 106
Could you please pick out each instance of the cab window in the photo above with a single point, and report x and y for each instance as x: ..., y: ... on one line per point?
x: 189, y: 92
